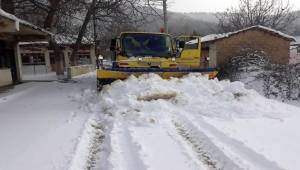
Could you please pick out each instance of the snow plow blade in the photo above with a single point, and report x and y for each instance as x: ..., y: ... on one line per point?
x: 107, y: 76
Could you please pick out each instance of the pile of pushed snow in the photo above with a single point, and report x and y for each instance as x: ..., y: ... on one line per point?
x: 251, y: 130
x: 193, y: 94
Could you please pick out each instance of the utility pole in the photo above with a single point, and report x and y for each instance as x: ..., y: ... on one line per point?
x: 95, y: 30
x: 165, y: 15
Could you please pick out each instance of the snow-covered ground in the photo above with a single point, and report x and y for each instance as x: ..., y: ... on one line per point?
x: 195, y: 123
x: 40, y: 124
x: 146, y: 123
x: 252, y: 82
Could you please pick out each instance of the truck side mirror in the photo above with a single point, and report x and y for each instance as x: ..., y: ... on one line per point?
x: 113, y: 44
x: 181, y: 44
x: 99, y: 61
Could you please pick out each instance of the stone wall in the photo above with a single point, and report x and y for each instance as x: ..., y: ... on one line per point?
x: 79, y: 70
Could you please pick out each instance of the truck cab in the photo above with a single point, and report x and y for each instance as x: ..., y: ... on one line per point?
x: 137, y: 53
x: 144, y: 50
x: 190, y: 56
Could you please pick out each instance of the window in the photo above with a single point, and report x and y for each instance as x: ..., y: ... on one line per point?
x: 84, y: 58
x: 147, y: 45
x: 33, y: 59
x: 298, y: 50
x: 190, y: 42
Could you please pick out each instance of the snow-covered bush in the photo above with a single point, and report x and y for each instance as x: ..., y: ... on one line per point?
x: 276, y: 81
x: 282, y: 81
x: 247, y: 61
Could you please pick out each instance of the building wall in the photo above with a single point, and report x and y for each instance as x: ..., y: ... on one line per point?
x: 79, y: 70
x: 275, y: 47
x: 9, y: 71
x: 5, y: 77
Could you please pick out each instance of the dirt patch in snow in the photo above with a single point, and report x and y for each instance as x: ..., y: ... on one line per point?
x: 157, y: 96
x: 196, y: 145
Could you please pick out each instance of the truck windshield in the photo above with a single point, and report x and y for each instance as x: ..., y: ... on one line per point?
x: 147, y: 45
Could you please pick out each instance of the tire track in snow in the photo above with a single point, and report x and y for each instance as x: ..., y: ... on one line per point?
x: 124, y: 152
x: 90, y: 143
x: 89, y: 146
x: 153, y: 146
x: 206, y: 152
x: 196, y: 146
x: 243, y: 157
x: 161, y: 148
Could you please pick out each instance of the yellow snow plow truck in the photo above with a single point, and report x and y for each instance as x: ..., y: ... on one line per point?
x: 137, y: 53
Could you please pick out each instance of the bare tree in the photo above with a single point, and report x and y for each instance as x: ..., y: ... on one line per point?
x: 47, y: 14
x: 8, y: 6
x: 50, y: 24
x: 271, y: 13
x: 80, y: 19
x: 120, y: 13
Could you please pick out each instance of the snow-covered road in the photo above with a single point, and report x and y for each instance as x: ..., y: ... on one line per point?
x: 146, y: 123
x: 40, y: 124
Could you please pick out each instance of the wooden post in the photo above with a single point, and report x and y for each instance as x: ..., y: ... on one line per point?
x: 165, y: 15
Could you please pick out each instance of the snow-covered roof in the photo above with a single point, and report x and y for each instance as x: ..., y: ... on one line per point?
x: 23, y: 22
x: 33, y: 42
x: 213, y: 37
x: 60, y: 39
x: 297, y: 41
x: 70, y: 39
x: 194, y: 41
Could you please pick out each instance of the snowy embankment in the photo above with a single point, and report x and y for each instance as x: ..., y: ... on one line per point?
x: 195, y: 123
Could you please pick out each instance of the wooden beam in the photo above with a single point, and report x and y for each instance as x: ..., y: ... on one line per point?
x: 32, y: 37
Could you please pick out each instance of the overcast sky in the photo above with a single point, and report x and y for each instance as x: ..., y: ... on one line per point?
x: 210, y: 5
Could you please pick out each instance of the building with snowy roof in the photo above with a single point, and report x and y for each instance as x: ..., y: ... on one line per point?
x: 220, y: 48
x: 38, y: 58
x: 12, y: 31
